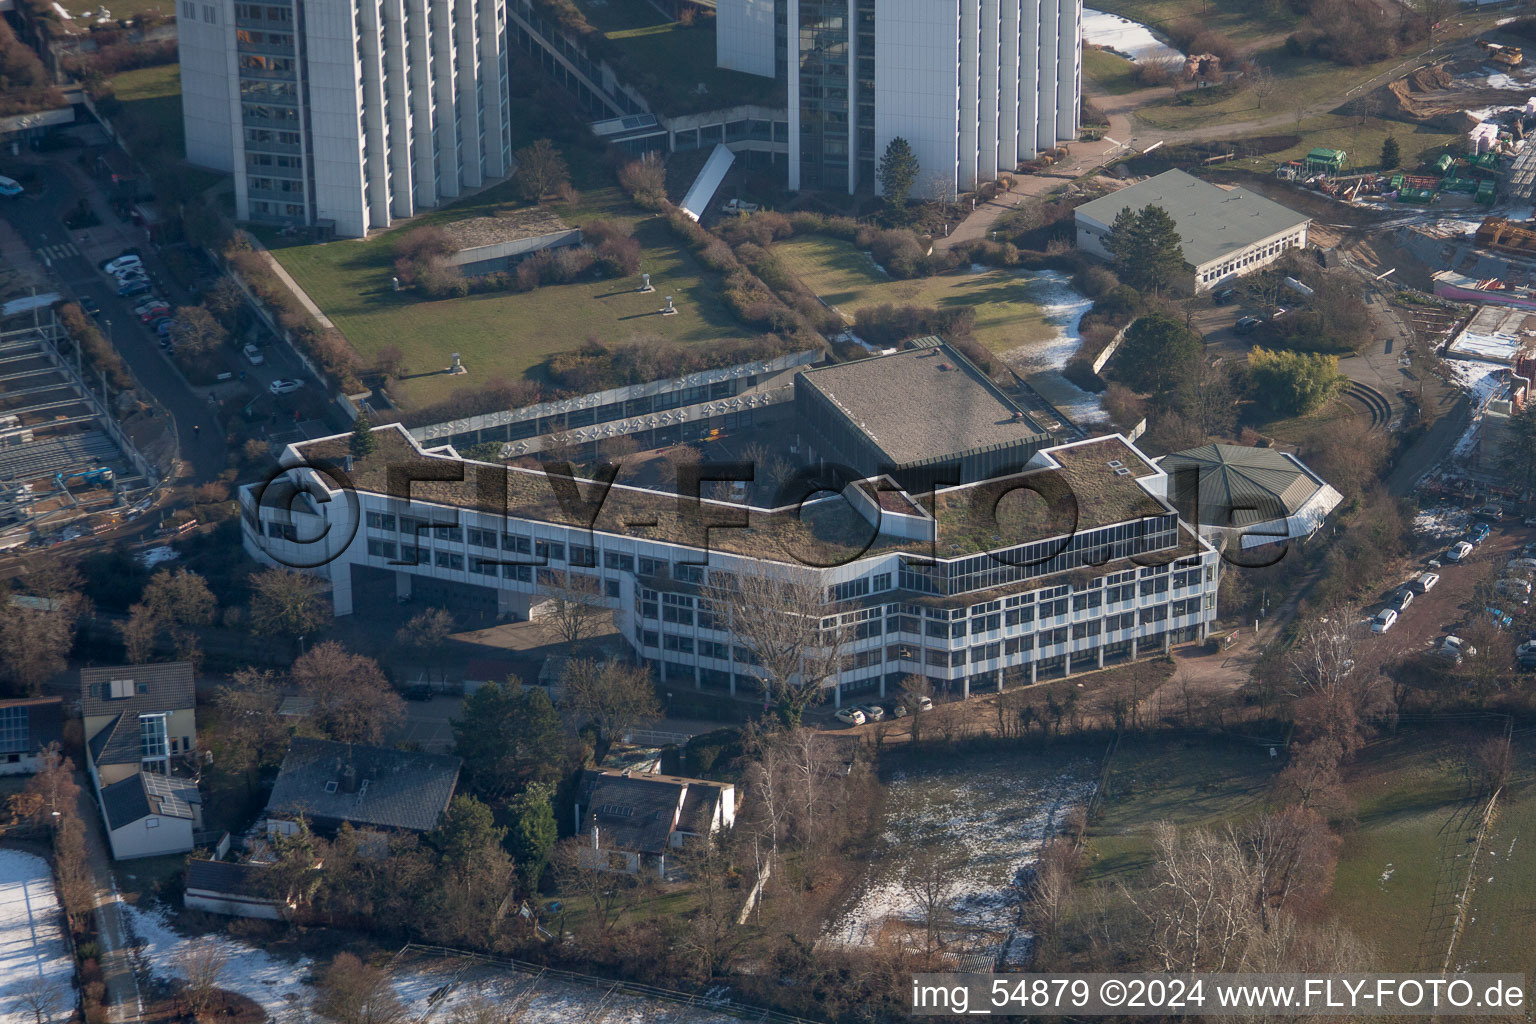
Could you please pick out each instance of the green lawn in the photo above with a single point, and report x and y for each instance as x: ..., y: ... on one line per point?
x: 152, y: 96
x: 506, y: 334
x: 1164, y: 778
x: 1007, y: 311
x: 1401, y: 870
x: 1242, y: 20
x: 669, y: 61
x: 1108, y: 72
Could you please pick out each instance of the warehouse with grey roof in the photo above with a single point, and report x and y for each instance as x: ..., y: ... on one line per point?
x: 1226, y: 232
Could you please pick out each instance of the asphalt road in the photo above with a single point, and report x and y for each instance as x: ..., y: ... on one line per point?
x: 36, y: 216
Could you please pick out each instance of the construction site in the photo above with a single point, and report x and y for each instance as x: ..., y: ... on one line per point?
x: 75, y: 459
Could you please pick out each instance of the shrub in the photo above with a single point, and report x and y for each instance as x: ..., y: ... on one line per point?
x: 618, y: 257
x: 888, y: 324
x: 898, y: 251
x: 645, y: 181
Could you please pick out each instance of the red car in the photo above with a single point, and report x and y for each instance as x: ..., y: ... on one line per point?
x: 149, y: 316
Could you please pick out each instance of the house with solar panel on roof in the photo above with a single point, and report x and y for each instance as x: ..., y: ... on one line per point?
x: 140, y: 726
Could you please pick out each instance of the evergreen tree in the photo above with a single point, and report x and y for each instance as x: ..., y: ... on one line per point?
x: 897, y: 172
x: 531, y: 832
x: 508, y: 738
x: 362, y: 443
x: 1158, y: 353
x: 1146, y: 248
x: 1390, y: 156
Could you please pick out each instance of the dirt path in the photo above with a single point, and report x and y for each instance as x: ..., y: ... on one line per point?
x: 124, y: 1001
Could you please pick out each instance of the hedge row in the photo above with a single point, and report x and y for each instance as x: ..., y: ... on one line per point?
x: 97, y: 352
x: 328, y: 348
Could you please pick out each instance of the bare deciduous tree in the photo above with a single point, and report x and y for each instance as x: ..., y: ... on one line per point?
x: 781, y: 614
x: 201, y: 963
x: 426, y: 634
x: 573, y: 611
x: 353, y: 701
x: 611, y: 694
x: 40, y: 998
x: 285, y: 603
x: 353, y: 992
x: 927, y: 880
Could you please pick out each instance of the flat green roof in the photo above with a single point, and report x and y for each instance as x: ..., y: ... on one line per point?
x: 1101, y: 476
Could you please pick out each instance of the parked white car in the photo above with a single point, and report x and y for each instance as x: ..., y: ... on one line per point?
x: 122, y: 263
x: 1424, y: 582
x: 1458, y: 551
x: 850, y: 716
x: 1383, y: 620
x: 285, y: 386
x: 1454, y: 648
x: 253, y: 355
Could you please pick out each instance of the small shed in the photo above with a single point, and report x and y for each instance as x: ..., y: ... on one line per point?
x: 1325, y: 161
x: 236, y: 890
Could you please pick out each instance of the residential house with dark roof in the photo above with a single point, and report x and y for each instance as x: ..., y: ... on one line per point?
x: 140, y: 727
x: 137, y: 716
x: 238, y: 890
x: 375, y: 788
x: 151, y: 815
x: 633, y: 821
x: 28, y: 726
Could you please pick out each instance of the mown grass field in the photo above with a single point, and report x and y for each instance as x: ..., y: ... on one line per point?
x: 507, y: 334
x: 153, y: 95
x: 1108, y: 72
x: 1166, y: 778
x: 1405, y: 842
x: 1007, y: 307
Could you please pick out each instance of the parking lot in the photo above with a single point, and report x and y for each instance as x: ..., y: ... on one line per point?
x: 1449, y: 605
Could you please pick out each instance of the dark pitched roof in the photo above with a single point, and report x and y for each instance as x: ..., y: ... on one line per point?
x: 168, y: 687
x: 143, y: 794
x: 699, y: 806
x: 45, y: 721
x: 119, y: 753
x: 394, y: 788
x: 227, y: 878
x: 634, y: 812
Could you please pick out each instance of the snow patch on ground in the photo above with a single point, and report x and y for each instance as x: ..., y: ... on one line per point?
x: 1130, y: 38
x: 1442, y: 522
x: 275, y: 985
x: 546, y: 1000
x: 1478, y: 379
x: 32, y: 941
x: 1063, y: 308
x: 993, y: 823
x: 151, y: 557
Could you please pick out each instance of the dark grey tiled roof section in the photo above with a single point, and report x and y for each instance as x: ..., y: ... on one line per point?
x: 393, y: 788
x: 1242, y: 486
x: 171, y: 687
x: 226, y: 878
x: 127, y: 801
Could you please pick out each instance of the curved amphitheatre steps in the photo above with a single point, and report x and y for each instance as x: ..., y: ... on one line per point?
x: 1376, y: 405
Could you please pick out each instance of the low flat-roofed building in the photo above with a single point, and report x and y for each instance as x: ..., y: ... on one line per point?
x: 1075, y: 561
x: 237, y: 890
x: 1226, y: 232
x: 28, y: 726
x: 925, y: 416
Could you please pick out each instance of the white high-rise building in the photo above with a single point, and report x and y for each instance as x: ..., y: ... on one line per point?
x: 974, y: 86
x: 348, y: 113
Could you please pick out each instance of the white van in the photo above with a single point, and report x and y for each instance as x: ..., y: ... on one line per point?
x: 1384, y: 620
